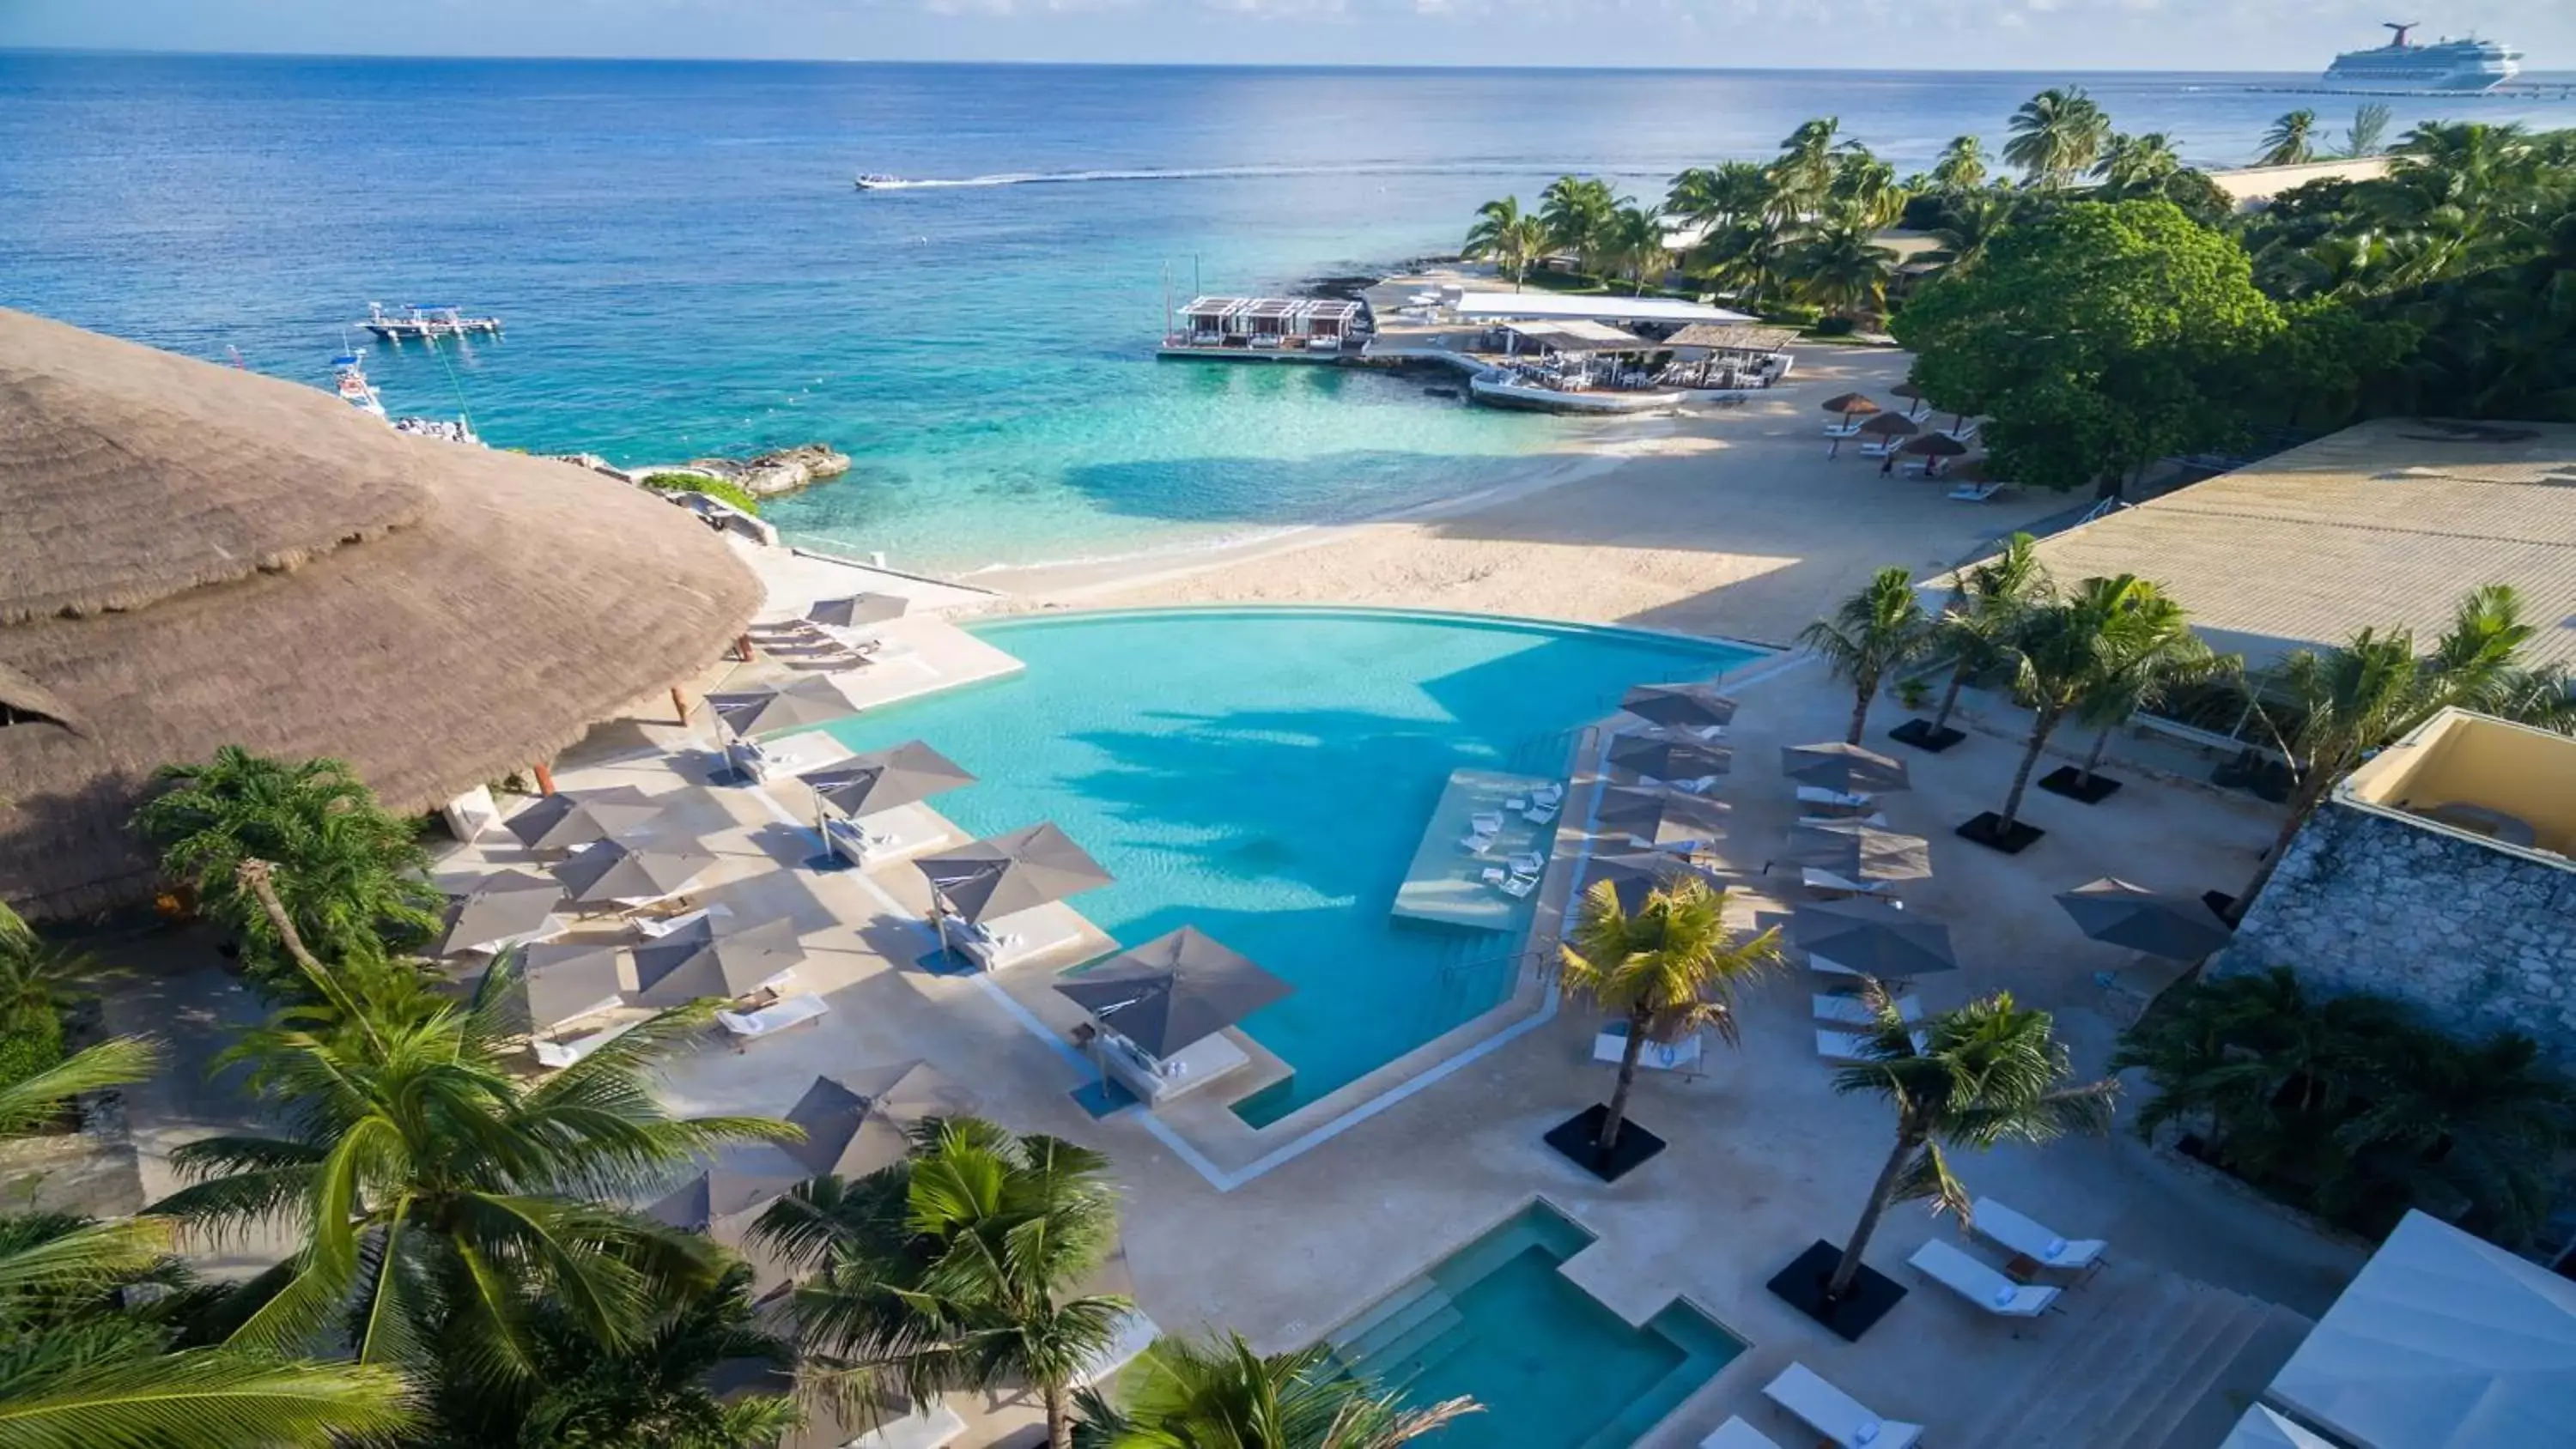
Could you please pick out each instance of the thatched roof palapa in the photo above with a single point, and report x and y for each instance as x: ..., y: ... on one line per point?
x: 1733, y: 337
x: 198, y: 556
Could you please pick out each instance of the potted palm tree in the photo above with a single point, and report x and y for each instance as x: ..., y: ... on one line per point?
x: 1669, y: 969
x: 1971, y: 632
x: 1990, y: 1072
x: 1869, y: 636
x: 2159, y: 652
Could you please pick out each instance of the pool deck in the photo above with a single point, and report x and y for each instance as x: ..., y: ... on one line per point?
x: 1445, y: 881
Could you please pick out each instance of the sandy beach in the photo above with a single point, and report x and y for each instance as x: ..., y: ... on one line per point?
x: 1729, y: 522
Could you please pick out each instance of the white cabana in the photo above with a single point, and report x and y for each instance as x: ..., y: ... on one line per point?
x: 2444, y: 1341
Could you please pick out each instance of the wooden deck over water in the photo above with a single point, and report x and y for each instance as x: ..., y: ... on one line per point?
x: 1445, y: 882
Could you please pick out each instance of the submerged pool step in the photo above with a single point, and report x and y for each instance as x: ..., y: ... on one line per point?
x: 1403, y: 1358
x: 1391, y: 1320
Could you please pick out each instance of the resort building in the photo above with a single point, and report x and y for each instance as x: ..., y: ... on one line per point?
x: 2439, y: 874
x: 198, y: 556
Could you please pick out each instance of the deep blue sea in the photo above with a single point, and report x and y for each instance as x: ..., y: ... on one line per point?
x: 685, y: 268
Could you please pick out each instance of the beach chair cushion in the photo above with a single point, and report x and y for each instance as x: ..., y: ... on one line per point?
x: 773, y: 1018
x: 1978, y: 1283
x: 1835, y: 1414
x: 2008, y: 1228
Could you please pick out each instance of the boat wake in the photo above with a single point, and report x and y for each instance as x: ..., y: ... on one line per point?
x: 1200, y: 173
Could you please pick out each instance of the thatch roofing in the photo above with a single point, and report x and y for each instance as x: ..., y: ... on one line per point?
x: 1733, y: 337
x: 197, y: 556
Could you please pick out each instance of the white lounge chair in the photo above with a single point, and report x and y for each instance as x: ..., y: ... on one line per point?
x: 747, y: 760
x: 1878, y: 448
x: 1611, y: 1045
x: 773, y: 1018
x: 1737, y: 1434
x: 1478, y: 842
x: 1874, y: 818
x: 1527, y: 863
x: 2007, y: 1228
x: 1980, y: 1284
x: 933, y: 1428
x: 1486, y: 822
x: 1964, y: 433
x: 653, y: 928
x: 1853, y: 1011
x: 1847, y: 1046
x: 1974, y: 492
x: 1520, y: 885
x: 1548, y: 795
x: 1826, y: 883
x: 1835, y: 1414
x: 1842, y: 430
x: 565, y: 1053
x: 1833, y: 800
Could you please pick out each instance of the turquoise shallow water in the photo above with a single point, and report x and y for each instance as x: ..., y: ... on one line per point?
x: 1266, y: 775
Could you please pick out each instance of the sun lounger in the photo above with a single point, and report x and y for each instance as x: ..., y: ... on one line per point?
x: 1835, y: 1414
x: 565, y: 1053
x: 1611, y: 1045
x: 1494, y: 875
x: 2009, y: 1229
x: 1847, y: 1046
x: 1477, y: 841
x: 1737, y: 1434
x: 1964, y: 433
x: 1527, y: 863
x: 654, y: 928
x: 1486, y: 822
x: 1540, y: 815
x: 1853, y: 1011
x: 1842, y: 430
x: 1878, y: 448
x: 1826, y: 883
x: 774, y: 1018
x: 1874, y: 818
x: 1520, y: 885
x: 1548, y: 795
x: 1832, y: 801
x: 1984, y: 1286
x: 1974, y: 492
x: 933, y: 1428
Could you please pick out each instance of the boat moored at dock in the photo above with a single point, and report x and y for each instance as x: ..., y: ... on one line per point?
x: 1268, y: 329
x: 349, y: 379
x: 426, y: 324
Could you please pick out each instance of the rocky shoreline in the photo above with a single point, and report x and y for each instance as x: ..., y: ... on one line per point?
x: 766, y: 475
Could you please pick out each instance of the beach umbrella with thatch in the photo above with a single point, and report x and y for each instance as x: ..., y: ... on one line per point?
x: 1873, y: 938
x: 615, y: 871
x: 1692, y: 707
x: 1012, y: 872
x: 714, y: 957
x: 1849, y: 405
x: 1913, y: 396
x: 566, y: 981
x: 1889, y: 425
x: 861, y: 1120
x: 1666, y: 756
x: 2158, y: 923
x: 1172, y: 991
x: 502, y: 909
x: 1844, y: 768
x: 1858, y: 852
x: 801, y: 703
x: 1934, y: 445
x: 858, y: 610
x: 883, y: 779
x: 1659, y: 819
x: 572, y: 819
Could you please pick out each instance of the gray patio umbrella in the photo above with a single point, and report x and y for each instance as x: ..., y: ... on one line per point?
x: 1858, y: 852
x: 1173, y: 990
x: 568, y: 821
x: 1012, y: 872
x: 723, y: 1201
x: 801, y: 703
x: 501, y: 906
x: 2177, y: 927
x: 861, y: 1121
x: 1633, y: 874
x: 883, y: 779
x: 1658, y: 817
x: 1846, y: 768
x: 858, y: 609
x: 614, y: 870
x: 566, y: 981
x: 1661, y: 756
x: 703, y: 959
x: 1873, y: 938
x: 1679, y: 706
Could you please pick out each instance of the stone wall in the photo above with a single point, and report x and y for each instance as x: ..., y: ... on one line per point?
x: 2480, y: 939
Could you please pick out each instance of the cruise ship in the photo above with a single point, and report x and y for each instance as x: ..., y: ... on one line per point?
x: 2445, y: 65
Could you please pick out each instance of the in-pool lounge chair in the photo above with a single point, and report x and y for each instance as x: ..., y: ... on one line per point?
x: 1837, y: 1415
x: 2009, y: 1229
x: 1981, y: 1285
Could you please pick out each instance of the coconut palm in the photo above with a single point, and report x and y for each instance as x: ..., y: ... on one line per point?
x: 959, y: 1268
x: 1508, y: 237
x: 1632, y: 243
x: 1749, y: 260
x: 1804, y: 173
x: 2056, y: 136
x: 29, y: 1101
x: 1576, y: 213
x: 1840, y: 268
x: 353, y: 877
x: 1970, y: 222
x: 1991, y: 596
x: 2465, y: 1130
x: 2369, y: 130
x: 1962, y: 166
x: 1718, y: 197
x: 1217, y: 1393
x: 2137, y: 165
x: 2291, y: 141
x: 1869, y: 636
x: 1671, y: 969
x: 1865, y: 189
x: 1990, y: 1072
x: 2157, y: 652
x: 2069, y: 649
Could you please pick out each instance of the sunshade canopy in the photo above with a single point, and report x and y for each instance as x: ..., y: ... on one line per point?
x: 613, y: 870
x: 860, y: 1121
x: 1838, y: 766
x: 723, y: 1201
x: 1934, y: 445
x: 1679, y: 706
x: 1873, y: 938
x: 568, y: 820
x: 1670, y: 756
x: 1012, y: 872
x: 568, y: 981
x: 1850, y: 405
x: 858, y: 609
x: 2179, y: 927
x: 1173, y: 990
x: 501, y: 905
x: 1658, y: 817
x: 2442, y: 1341
x: 883, y: 779
x: 705, y: 959
x: 1633, y: 875
x: 1860, y: 852
x: 801, y: 703
x: 1906, y: 389
x: 1890, y: 425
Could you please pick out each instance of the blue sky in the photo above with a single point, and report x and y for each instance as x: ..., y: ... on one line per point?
x: 2293, y: 35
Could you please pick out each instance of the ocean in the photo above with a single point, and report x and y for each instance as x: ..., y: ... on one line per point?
x: 685, y: 269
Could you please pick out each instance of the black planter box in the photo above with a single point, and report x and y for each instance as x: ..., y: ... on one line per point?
x: 1987, y: 830
x: 1576, y: 1135
x: 1920, y: 734
x: 2069, y: 781
x: 1801, y: 1285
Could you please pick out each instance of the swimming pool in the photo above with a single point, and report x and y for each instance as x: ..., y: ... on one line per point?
x: 1265, y: 775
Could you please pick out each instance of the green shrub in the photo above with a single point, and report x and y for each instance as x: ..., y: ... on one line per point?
x: 1794, y: 315
x: 1833, y: 327
x: 715, y: 488
x: 30, y: 1042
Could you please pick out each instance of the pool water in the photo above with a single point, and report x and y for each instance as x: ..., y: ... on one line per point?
x: 1552, y: 1367
x: 1265, y: 775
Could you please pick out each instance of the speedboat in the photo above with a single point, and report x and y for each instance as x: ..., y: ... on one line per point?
x: 349, y: 378
x: 876, y: 181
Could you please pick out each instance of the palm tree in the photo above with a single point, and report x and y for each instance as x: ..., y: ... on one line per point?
x: 2056, y: 136
x: 2369, y: 129
x: 1749, y: 259
x: 1672, y: 968
x: 1507, y: 237
x: 2137, y: 165
x: 1972, y: 632
x: 27, y: 1102
x: 959, y: 1268
x: 1218, y: 1394
x: 2157, y: 652
x: 2465, y: 1130
x: 1717, y: 198
x: 1866, y: 189
x: 2291, y: 141
x: 1632, y: 241
x: 1989, y: 1072
x: 1804, y: 172
x: 1962, y: 166
x: 1870, y: 635
x: 442, y: 1197
x: 1970, y: 223
x: 353, y: 877
x: 2069, y: 649
x: 1841, y: 269
x: 1576, y: 214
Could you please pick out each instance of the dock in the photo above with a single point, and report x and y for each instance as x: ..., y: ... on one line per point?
x: 1267, y: 329
x: 426, y: 324
x: 1446, y: 881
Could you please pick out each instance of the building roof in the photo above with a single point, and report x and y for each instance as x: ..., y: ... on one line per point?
x: 2386, y: 523
x: 2247, y: 185
x: 198, y: 556
x: 1556, y: 307
x: 1577, y: 336
x: 1732, y: 337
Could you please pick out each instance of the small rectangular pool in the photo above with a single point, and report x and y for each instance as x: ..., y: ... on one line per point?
x: 1553, y: 1367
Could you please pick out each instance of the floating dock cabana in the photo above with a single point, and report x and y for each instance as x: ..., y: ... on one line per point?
x: 1270, y: 329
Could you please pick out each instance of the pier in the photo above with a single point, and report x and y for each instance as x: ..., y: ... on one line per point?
x: 426, y: 324
x: 1267, y: 329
